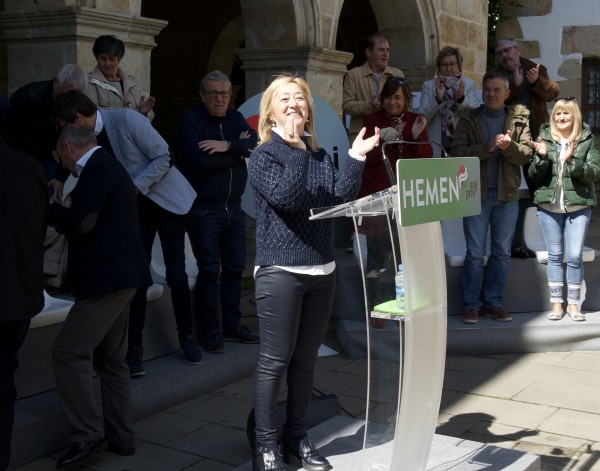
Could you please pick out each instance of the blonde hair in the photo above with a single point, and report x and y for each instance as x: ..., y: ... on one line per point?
x: 265, y: 123
x: 570, y: 106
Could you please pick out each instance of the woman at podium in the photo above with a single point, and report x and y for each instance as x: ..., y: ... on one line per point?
x: 295, y: 268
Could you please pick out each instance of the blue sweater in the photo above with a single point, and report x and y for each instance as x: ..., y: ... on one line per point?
x: 219, y: 179
x: 287, y: 183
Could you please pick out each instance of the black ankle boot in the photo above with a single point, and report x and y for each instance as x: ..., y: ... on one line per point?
x: 267, y: 459
x: 302, y: 449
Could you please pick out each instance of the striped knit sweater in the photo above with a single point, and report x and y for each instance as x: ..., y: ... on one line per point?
x: 287, y: 183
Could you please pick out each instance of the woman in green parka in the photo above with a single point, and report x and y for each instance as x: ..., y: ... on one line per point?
x: 565, y: 165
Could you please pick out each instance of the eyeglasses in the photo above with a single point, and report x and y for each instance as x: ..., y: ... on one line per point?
x: 449, y: 65
x: 567, y: 98
x: 397, y: 79
x: 506, y: 50
x: 214, y: 94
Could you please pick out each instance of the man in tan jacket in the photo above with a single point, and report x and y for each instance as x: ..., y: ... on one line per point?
x: 362, y: 84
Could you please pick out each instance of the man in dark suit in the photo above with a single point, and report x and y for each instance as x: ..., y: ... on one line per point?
x: 164, y: 199
x: 24, y: 205
x: 30, y: 126
x: 106, y: 265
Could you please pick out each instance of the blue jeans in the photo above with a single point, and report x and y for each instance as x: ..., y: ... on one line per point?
x: 501, y: 218
x: 218, y: 239
x: 171, y: 229
x: 564, y: 232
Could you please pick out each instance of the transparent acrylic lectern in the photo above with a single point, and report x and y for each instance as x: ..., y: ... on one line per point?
x: 434, y: 189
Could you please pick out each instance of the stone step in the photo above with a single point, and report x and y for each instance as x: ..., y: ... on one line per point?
x: 528, y: 332
x: 40, y: 427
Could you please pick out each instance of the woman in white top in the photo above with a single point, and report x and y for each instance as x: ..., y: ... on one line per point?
x: 442, y: 96
x: 109, y: 86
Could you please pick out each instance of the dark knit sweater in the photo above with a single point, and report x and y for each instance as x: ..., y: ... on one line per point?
x: 287, y: 183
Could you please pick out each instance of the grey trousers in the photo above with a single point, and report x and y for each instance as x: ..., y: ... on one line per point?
x: 94, y: 337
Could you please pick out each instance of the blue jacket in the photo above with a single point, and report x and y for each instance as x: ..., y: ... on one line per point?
x: 220, y: 178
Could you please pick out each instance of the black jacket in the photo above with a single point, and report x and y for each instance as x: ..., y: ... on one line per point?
x: 24, y: 205
x: 105, y: 251
x: 219, y: 179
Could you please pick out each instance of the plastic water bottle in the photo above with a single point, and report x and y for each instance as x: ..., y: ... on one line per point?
x: 399, y: 281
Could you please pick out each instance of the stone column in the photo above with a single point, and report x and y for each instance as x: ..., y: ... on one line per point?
x: 39, y: 41
x: 323, y: 69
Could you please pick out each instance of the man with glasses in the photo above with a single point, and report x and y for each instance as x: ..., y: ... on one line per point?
x: 499, y: 135
x: 530, y: 84
x: 362, y: 84
x: 214, y: 140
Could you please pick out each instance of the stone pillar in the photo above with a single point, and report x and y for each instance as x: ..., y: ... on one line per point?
x: 39, y: 41
x: 323, y: 69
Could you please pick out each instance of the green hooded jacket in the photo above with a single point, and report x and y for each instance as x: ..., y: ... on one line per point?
x: 578, y: 175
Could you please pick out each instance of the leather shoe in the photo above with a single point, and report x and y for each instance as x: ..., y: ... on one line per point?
x: 267, y: 459
x: 77, y: 452
x: 302, y: 449
x: 117, y: 450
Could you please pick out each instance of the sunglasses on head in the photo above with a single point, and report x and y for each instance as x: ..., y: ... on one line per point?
x: 397, y: 79
x: 566, y: 98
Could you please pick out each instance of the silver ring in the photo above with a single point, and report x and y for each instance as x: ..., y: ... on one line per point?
x: 291, y: 134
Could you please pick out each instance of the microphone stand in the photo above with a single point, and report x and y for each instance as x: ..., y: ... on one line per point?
x: 386, y: 161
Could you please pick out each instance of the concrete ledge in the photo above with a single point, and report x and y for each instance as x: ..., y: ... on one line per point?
x: 35, y: 374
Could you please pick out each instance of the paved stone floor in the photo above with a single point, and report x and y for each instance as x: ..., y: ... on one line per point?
x: 543, y: 403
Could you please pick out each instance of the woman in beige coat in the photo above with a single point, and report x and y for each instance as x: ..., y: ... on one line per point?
x: 109, y: 86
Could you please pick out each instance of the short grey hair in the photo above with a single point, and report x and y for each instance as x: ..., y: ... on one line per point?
x: 78, y: 136
x: 510, y: 41
x: 71, y: 74
x: 216, y: 76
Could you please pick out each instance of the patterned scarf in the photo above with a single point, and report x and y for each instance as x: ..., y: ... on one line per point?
x: 448, y: 108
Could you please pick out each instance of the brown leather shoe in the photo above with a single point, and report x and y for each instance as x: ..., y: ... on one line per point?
x: 470, y: 316
x: 498, y: 314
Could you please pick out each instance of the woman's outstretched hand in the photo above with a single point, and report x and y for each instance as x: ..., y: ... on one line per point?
x: 361, y: 145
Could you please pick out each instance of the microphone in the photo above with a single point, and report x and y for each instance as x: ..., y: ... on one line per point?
x: 388, y: 135
x: 391, y: 135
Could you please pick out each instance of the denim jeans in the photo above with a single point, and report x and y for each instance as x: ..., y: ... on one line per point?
x: 218, y: 239
x: 564, y: 234
x: 171, y: 229
x: 501, y: 218
x: 293, y: 312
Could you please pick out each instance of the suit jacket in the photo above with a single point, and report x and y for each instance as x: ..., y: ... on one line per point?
x: 147, y: 159
x: 24, y: 204
x: 105, y: 250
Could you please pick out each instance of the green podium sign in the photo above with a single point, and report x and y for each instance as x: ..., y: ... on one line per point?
x: 437, y: 189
